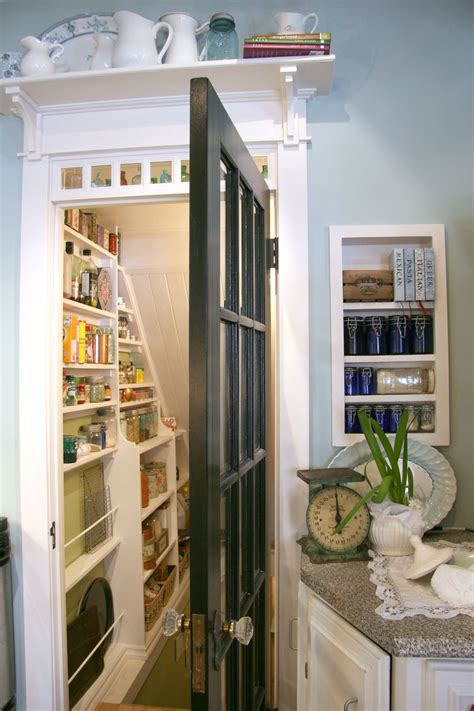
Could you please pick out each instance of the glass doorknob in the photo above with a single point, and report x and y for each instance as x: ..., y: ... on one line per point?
x: 174, y: 622
x: 241, y: 630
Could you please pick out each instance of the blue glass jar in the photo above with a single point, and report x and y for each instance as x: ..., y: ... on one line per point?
x: 367, y: 410
x: 353, y: 335
x: 421, y: 334
x: 351, y: 383
x: 380, y: 414
x: 398, y: 335
x: 376, y: 335
x: 222, y: 41
x: 366, y: 381
x: 352, y: 424
x: 394, y: 419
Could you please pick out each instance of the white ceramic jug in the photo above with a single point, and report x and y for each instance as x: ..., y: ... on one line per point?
x: 38, y: 59
x: 104, y: 49
x: 135, y: 45
x: 183, y: 48
x: 293, y: 23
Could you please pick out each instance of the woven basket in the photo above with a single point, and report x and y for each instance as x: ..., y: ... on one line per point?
x: 154, y: 608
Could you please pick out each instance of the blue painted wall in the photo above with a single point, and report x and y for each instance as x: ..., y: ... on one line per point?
x: 393, y: 143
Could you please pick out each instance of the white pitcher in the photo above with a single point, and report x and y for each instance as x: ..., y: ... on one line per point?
x: 292, y: 23
x: 38, y: 59
x: 104, y: 49
x: 135, y: 45
x: 183, y: 49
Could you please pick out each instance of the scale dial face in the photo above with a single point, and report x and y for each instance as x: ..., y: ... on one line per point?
x: 326, y: 508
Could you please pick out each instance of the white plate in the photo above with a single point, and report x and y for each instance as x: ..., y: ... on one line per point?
x: 76, y: 35
x: 439, y: 497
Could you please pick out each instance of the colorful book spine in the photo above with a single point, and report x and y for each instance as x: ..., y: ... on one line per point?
x: 419, y: 274
x: 398, y: 274
x: 281, y: 51
x: 321, y: 36
x: 409, y: 265
x: 430, y: 279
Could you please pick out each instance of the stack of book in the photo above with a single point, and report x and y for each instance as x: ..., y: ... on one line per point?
x: 413, y: 274
x: 259, y: 46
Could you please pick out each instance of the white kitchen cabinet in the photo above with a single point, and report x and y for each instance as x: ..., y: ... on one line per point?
x: 369, y: 247
x: 338, y: 667
x: 337, y: 664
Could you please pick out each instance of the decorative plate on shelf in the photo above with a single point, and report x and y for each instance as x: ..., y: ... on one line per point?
x: 10, y: 64
x: 104, y: 290
x: 99, y: 594
x: 76, y: 34
x: 434, y: 480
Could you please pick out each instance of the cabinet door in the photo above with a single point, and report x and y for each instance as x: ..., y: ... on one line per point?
x: 345, y: 670
x: 432, y: 684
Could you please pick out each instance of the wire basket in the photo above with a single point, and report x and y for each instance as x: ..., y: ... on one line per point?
x: 154, y: 607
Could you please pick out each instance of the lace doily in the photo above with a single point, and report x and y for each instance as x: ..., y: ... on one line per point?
x: 407, y: 598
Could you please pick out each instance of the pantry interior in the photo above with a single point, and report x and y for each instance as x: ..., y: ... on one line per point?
x: 140, y: 534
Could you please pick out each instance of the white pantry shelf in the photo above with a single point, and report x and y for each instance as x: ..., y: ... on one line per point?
x: 125, y: 386
x: 382, y: 399
x: 154, y: 504
x: 148, y: 573
x: 403, y: 361
x: 96, y: 249
x: 90, y: 458
x: 125, y: 310
x: 154, y: 442
x: 152, y: 636
x: 87, y: 561
x: 88, y: 366
x: 137, y: 403
x: 128, y: 342
x: 403, y: 306
x: 75, y: 307
x: 78, y: 410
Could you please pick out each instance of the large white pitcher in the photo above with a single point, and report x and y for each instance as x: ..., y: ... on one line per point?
x: 136, y: 42
x: 183, y: 48
x: 293, y: 23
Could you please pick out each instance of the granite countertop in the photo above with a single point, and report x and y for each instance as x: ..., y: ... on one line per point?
x: 346, y: 588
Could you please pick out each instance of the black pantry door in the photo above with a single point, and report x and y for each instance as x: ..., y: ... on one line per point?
x: 227, y: 332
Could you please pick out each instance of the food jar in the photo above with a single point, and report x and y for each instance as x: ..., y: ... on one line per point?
x: 421, y: 334
x: 144, y: 490
x: 350, y: 381
x: 352, y: 423
x: 152, y: 483
x: 70, y: 444
x: 106, y: 417
x: 366, y: 380
x: 376, y: 335
x: 400, y: 381
x: 413, y: 418
x: 96, y: 389
x: 149, y: 553
x: 398, y: 335
x: 353, y: 335
x: 427, y: 418
x: 381, y: 415
x: 394, y: 417
x: 94, y: 434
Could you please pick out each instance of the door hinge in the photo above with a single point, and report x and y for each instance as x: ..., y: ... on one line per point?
x: 272, y: 253
x: 52, y: 533
x: 306, y: 670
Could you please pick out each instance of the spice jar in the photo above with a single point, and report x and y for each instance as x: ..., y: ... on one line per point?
x: 97, y: 389
x: 149, y: 555
x: 427, y: 415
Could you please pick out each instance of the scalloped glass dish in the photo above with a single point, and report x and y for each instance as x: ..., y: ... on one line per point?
x: 433, y: 475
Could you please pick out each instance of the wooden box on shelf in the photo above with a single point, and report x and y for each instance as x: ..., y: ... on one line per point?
x: 367, y: 284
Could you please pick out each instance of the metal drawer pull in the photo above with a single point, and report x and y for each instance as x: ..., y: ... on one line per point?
x: 352, y: 700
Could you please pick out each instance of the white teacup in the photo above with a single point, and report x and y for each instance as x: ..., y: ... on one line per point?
x: 292, y: 23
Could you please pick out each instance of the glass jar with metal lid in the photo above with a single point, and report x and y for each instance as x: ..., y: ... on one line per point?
x: 222, y: 41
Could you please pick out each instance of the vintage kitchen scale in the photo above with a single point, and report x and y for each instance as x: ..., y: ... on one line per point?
x: 329, y: 501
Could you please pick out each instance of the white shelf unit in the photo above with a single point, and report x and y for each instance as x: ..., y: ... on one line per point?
x: 370, y: 247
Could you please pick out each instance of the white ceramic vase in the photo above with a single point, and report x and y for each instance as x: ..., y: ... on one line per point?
x: 390, y: 536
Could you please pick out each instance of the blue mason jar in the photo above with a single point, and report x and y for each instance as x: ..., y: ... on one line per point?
x: 376, y: 335
x: 367, y: 410
x: 394, y: 419
x: 222, y: 41
x: 353, y: 335
x: 351, y: 383
x: 352, y: 424
x: 366, y: 381
x: 380, y: 414
x: 421, y: 334
x: 398, y: 335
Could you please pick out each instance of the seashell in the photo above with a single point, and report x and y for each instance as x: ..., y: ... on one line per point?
x: 454, y: 584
